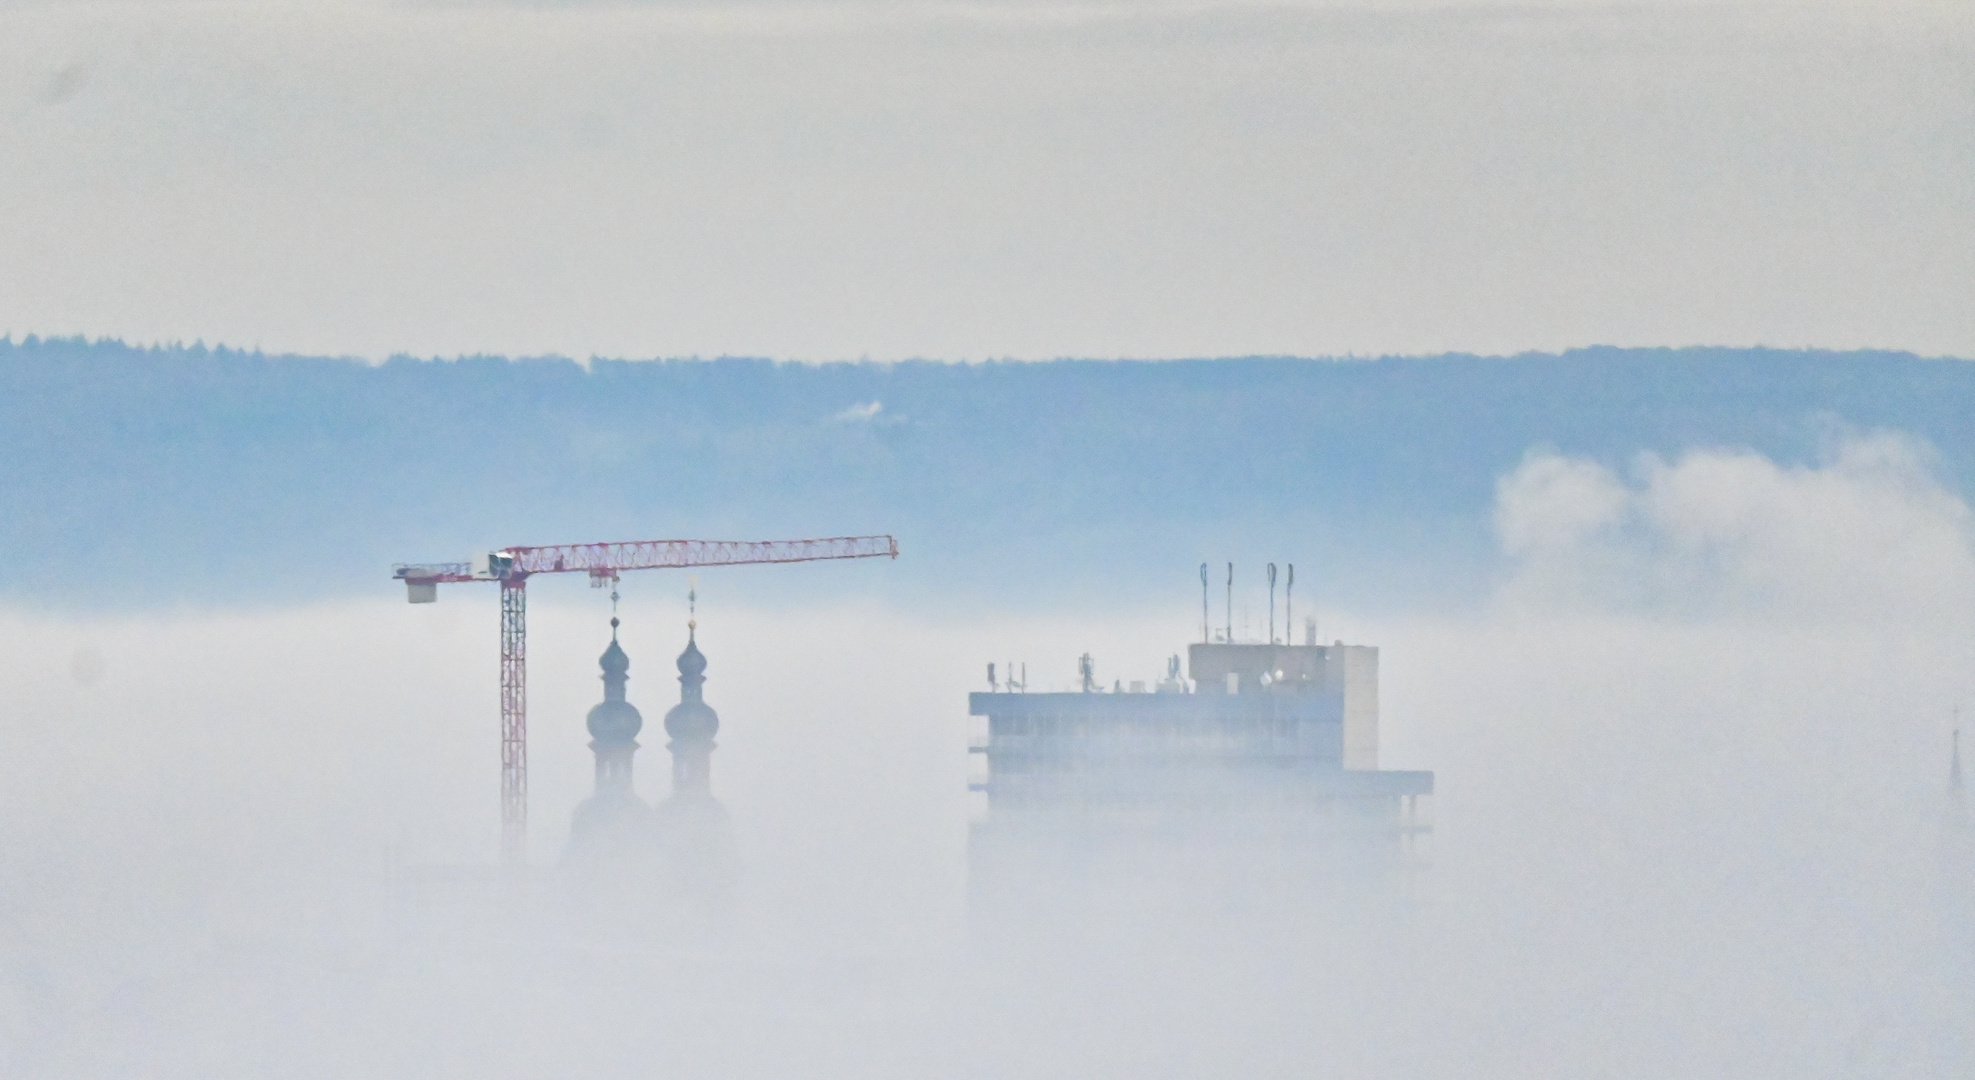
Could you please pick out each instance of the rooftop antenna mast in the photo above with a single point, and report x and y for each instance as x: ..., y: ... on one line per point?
x: 1289, y: 608
x: 1954, y: 761
x: 1203, y: 604
x: 1956, y: 832
x: 1272, y: 603
x: 1230, y: 611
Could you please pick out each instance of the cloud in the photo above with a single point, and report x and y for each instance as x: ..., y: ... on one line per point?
x: 860, y: 413
x: 1867, y: 533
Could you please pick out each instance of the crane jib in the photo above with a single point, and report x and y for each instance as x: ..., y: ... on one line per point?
x: 619, y: 556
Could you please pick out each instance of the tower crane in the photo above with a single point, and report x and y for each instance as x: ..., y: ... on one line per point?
x: 512, y: 567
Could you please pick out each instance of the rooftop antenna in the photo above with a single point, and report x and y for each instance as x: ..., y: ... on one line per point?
x: 1954, y: 759
x: 1289, y: 608
x: 1272, y: 603
x: 1203, y: 603
x: 1956, y: 825
x: 993, y: 686
x: 1230, y: 632
x: 1088, y: 671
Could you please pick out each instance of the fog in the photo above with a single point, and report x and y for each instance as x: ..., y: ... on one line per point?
x: 1691, y: 829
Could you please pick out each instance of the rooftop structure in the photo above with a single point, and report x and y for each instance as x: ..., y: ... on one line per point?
x: 1264, y: 769
x: 1286, y: 721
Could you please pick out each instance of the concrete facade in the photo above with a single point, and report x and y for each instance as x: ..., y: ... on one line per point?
x: 1255, y: 789
x: 1263, y: 726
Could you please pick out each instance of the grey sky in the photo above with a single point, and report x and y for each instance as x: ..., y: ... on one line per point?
x: 969, y: 180
x: 1690, y: 751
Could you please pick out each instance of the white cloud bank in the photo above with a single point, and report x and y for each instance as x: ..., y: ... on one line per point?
x: 1867, y: 534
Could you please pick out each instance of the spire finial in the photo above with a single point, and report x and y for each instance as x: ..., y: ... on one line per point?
x: 692, y: 605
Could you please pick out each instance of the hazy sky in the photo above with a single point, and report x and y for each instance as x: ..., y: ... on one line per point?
x: 971, y: 179
x: 1690, y: 747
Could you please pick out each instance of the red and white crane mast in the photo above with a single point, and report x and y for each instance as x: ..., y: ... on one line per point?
x: 512, y: 567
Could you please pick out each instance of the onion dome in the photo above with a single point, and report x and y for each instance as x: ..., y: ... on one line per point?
x: 692, y: 662
x: 614, y: 720
x: 615, y: 663
x: 692, y: 719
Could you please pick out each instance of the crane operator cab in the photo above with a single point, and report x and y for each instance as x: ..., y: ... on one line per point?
x: 493, y: 566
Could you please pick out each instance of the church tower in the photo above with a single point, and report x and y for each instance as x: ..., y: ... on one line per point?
x: 695, y: 843
x: 1955, y: 897
x: 692, y: 724
x: 614, y: 723
x: 613, y: 821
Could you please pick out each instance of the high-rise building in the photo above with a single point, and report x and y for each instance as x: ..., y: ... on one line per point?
x: 1263, y: 772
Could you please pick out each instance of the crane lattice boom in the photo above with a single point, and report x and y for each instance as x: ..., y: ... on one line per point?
x: 613, y: 557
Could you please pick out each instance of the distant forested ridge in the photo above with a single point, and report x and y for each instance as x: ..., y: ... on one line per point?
x: 136, y: 477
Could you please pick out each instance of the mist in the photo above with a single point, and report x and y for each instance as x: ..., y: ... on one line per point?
x: 1691, y: 769
x: 1676, y: 612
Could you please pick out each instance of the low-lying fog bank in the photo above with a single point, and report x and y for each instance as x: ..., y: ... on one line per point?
x: 1690, y: 829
